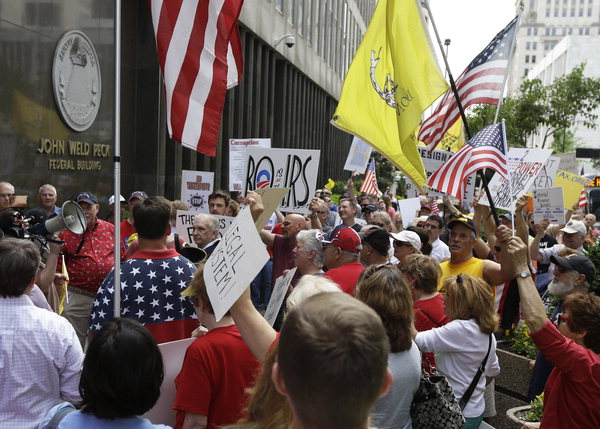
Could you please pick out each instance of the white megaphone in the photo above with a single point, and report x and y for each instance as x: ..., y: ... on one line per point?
x: 71, y: 217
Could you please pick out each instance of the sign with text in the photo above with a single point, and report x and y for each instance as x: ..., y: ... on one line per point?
x: 571, y: 184
x: 279, y: 290
x: 433, y: 161
x: 548, y: 204
x: 184, y: 224
x: 196, y: 186
x: 545, y: 179
x: 270, y: 200
x: 237, y: 159
x: 284, y: 168
x: 358, y: 156
x: 237, y: 259
x: 525, y: 165
x: 408, y: 210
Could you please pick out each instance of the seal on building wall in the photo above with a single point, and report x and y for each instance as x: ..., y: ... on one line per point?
x: 76, y: 80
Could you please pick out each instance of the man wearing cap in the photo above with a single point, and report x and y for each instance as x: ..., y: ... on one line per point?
x: 405, y: 243
x: 375, y: 245
x: 461, y: 241
x: 340, y: 255
x: 127, y: 228
x: 434, y: 227
x: 110, y: 217
x: 89, y: 258
x: 151, y: 280
x: 573, y: 237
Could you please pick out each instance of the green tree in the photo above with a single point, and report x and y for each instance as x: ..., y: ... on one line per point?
x: 385, y: 171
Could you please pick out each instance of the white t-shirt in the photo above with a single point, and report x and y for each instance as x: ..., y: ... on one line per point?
x: 440, y: 251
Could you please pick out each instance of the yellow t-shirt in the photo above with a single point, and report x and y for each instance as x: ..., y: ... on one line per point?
x: 472, y: 266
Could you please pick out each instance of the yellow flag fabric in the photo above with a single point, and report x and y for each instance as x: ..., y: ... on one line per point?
x: 63, y: 290
x: 393, y: 78
x: 571, y: 184
x: 454, y: 138
x: 330, y: 184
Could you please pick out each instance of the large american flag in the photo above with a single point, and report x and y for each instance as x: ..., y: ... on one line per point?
x: 369, y: 186
x: 486, y: 150
x: 200, y: 55
x: 481, y: 83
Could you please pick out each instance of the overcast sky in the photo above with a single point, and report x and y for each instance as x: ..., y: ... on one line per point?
x: 470, y: 25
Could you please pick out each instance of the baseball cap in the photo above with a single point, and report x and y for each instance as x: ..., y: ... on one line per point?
x: 86, y: 197
x: 507, y: 216
x: 345, y: 238
x: 111, y: 200
x: 419, y: 219
x: 140, y: 195
x: 579, y: 263
x: 463, y: 221
x: 408, y: 237
x: 369, y: 208
x: 574, y: 226
x: 378, y: 238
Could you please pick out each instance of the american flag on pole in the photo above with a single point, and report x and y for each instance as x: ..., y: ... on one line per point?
x: 200, y: 55
x: 481, y: 83
x: 486, y: 150
x: 583, y: 201
x: 369, y: 186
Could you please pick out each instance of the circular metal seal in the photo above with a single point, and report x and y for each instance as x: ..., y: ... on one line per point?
x: 76, y: 80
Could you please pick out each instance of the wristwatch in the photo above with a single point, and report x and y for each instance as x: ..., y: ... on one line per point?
x: 524, y: 274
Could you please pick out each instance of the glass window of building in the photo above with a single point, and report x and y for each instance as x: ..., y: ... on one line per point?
x: 279, y: 5
x: 309, y: 29
x: 534, y: 45
x: 533, y: 59
x: 291, y: 12
x: 527, y: 58
x: 300, y: 16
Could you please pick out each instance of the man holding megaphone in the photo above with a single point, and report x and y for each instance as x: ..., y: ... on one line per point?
x: 89, y: 258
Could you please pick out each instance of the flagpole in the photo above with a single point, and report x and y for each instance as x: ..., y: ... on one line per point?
x: 512, y: 196
x: 462, y: 112
x: 117, y: 161
x: 511, y: 55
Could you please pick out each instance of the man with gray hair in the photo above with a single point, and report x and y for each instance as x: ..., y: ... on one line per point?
x: 7, y: 193
x: 308, y: 253
x: 206, y: 232
x: 47, y: 197
x: 40, y: 355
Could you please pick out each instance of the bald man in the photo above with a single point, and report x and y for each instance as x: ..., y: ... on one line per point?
x: 7, y: 192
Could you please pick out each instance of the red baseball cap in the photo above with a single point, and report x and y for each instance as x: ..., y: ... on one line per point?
x: 345, y: 238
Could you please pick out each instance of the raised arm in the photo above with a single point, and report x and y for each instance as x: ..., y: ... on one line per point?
x: 534, y: 249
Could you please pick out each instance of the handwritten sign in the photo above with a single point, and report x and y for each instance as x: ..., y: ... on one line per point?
x: 237, y: 259
x: 358, y: 156
x: 571, y: 184
x: 545, y: 179
x: 548, y: 204
x: 279, y: 290
x: 184, y: 224
x: 284, y: 168
x: 433, y: 161
x: 525, y: 165
x: 196, y: 186
x: 237, y: 159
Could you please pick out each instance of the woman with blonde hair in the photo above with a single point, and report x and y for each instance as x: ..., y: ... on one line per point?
x: 461, y: 346
x: 383, y: 289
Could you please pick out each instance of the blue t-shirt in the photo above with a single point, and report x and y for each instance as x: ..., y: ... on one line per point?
x: 77, y: 419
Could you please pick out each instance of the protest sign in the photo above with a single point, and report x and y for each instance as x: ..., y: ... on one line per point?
x: 196, y: 186
x: 568, y: 162
x: 237, y: 159
x: 270, y: 198
x: 358, y: 156
x: 433, y: 161
x: 237, y: 259
x: 545, y: 178
x: 408, y: 210
x: 548, y: 204
x: 571, y: 184
x: 185, y: 220
x: 525, y: 165
x: 281, y: 286
x: 284, y: 168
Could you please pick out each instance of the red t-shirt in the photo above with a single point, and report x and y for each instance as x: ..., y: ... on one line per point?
x: 216, y: 371
x: 127, y: 230
x: 572, y: 393
x: 429, y: 314
x: 283, y: 258
x: 346, y: 276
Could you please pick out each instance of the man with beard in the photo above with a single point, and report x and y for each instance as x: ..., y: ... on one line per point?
x: 573, y: 273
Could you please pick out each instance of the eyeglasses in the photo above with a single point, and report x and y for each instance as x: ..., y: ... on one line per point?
x: 380, y: 225
x: 398, y: 243
x: 321, y: 211
x: 562, y: 317
x: 561, y: 269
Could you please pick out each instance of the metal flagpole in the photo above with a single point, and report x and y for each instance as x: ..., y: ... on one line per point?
x: 462, y: 111
x: 512, y: 197
x: 117, y: 160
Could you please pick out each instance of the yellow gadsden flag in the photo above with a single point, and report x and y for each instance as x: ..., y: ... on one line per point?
x: 391, y: 81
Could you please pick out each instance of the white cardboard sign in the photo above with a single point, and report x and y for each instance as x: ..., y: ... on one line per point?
x: 284, y: 168
x: 234, y: 263
x: 408, y: 210
x: 281, y: 286
x: 525, y: 165
x: 196, y: 186
x: 358, y: 156
x: 548, y: 204
x: 184, y: 224
x: 237, y: 159
x: 545, y: 179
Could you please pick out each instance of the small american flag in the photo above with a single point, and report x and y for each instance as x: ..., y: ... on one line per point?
x: 481, y: 83
x: 435, y: 209
x: 583, y: 199
x: 486, y: 150
x: 369, y: 186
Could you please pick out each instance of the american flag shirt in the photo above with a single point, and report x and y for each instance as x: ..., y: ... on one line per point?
x: 151, y: 286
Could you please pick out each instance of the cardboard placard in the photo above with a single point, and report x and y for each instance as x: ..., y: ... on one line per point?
x: 571, y: 184
x: 196, y: 186
x: 545, y: 179
x: 284, y: 168
x: 237, y: 159
x: 358, y: 156
x: 408, y: 210
x: 184, y: 224
x: 548, y: 204
x: 279, y: 290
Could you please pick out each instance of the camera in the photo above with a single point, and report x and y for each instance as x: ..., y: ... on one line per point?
x: 290, y: 41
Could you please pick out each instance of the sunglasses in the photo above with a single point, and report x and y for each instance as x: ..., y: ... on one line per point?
x: 561, y: 269
x: 562, y: 317
x: 380, y: 225
x: 398, y: 243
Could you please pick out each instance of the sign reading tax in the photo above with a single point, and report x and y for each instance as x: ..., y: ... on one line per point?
x: 284, y: 168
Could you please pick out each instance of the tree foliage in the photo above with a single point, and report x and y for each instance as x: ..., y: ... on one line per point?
x: 549, y: 109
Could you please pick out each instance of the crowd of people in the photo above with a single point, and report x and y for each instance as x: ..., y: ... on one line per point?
x: 374, y: 304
